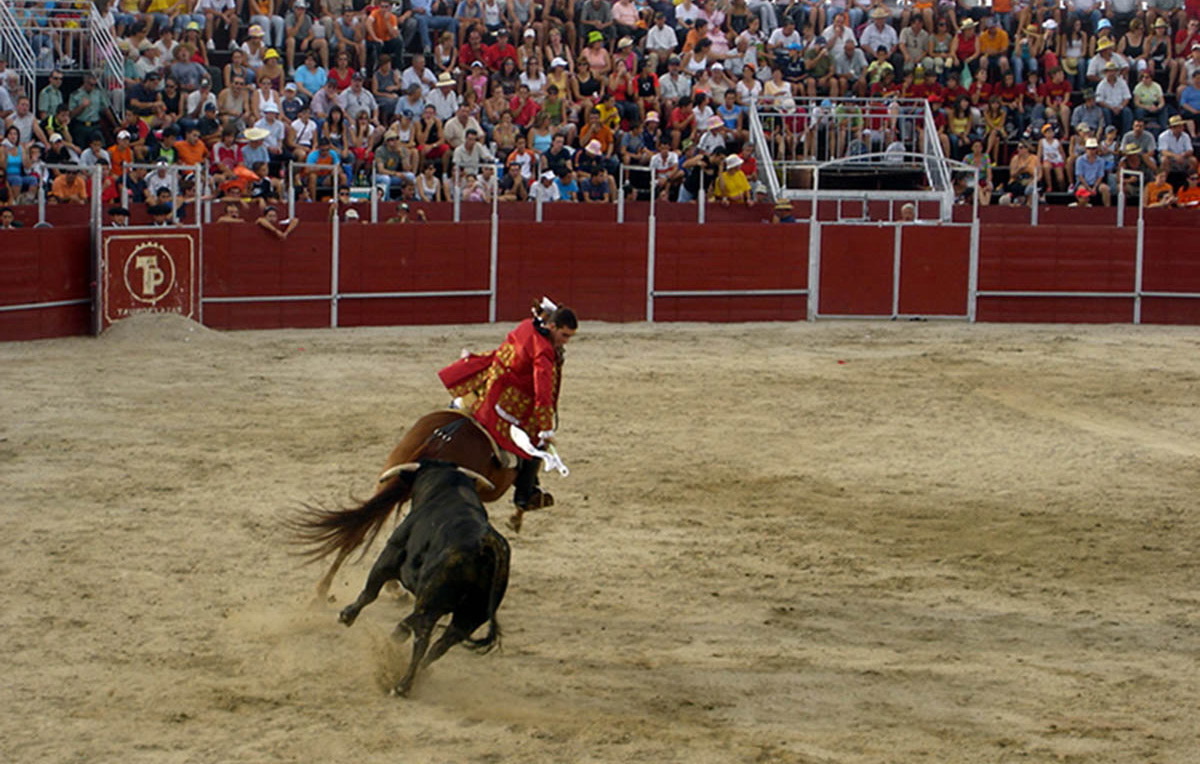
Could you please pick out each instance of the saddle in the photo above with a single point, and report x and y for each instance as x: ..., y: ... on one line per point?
x: 505, y: 459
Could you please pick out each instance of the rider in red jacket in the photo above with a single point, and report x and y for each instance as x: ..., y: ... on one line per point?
x: 518, y: 384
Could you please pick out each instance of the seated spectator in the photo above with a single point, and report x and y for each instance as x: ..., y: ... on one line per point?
x: 545, y: 190
x: 69, y: 188
x: 1090, y: 173
x: 1175, y: 147
x: 280, y: 229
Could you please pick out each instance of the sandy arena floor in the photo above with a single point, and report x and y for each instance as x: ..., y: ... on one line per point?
x: 841, y: 542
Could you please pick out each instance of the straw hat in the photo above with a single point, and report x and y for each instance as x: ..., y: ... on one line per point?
x: 1104, y: 44
x: 879, y: 12
x: 445, y: 80
x: 1174, y: 120
x: 256, y: 134
x: 1131, y: 149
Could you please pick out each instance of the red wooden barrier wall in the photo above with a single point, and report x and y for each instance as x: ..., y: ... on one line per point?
x: 730, y: 257
x: 935, y: 266
x: 45, y: 265
x: 1175, y: 267
x: 1056, y: 259
x: 600, y: 268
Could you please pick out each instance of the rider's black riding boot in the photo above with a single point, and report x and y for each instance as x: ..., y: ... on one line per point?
x: 525, y: 487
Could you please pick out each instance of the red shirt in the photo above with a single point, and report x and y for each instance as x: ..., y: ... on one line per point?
x: 494, y: 55
x: 1009, y: 93
x: 1056, y: 92
x: 468, y: 55
x: 980, y: 92
x: 523, y: 113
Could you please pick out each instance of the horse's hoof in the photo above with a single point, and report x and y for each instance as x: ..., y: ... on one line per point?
x: 347, y: 616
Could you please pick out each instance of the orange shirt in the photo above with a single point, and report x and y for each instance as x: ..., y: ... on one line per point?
x: 64, y: 189
x: 1155, y: 191
x: 191, y: 154
x: 1188, y: 197
x: 993, y: 42
x: 383, y: 21
x: 119, y: 158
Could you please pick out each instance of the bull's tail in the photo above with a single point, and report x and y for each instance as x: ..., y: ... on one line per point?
x: 499, y: 550
x: 325, y: 531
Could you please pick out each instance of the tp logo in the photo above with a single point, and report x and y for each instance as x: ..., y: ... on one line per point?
x: 149, y: 272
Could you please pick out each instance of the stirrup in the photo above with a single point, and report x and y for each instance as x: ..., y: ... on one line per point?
x: 539, y: 500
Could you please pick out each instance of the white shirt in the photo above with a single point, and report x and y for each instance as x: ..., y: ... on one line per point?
x: 277, y: 130
x: 872, y: 37
x: 195, y: 102
x: 426, y: 79
x: 661, y: 39
x: 1112, y: 93
x: 546, y: 193
x: 356, y: 103
x: 306, y: 132
x: 444, y: 102
x: 1167, y: 141
x: 658, y: 164
x: 779, y: 38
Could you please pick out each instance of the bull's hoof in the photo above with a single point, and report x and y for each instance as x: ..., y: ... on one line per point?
x: 401, y: 633
x: 348, y: 615
x: 540, y: 500
x: 401, y: 691
x: 514, y: 522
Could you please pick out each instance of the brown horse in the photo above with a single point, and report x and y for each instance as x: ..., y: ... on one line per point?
x: 447, y: 435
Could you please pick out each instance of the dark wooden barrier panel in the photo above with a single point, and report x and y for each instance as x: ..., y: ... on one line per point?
x: 857, y: 264
x: 935, y: 264
x: 1171, y: 263
x: 429, y: 257
x: 1056, y: 259
x: 244, y: 260
x: 45, y: 265
x: 599, y: 269
x: 731, y: 256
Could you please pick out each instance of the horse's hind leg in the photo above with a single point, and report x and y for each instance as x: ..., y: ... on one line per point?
x: 325, y: 583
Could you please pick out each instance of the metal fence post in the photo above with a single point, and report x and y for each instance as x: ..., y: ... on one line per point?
x: 651, y: 229
x: 494, y: 251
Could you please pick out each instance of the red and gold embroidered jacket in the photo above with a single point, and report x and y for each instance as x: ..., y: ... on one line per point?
x: 518, y: 383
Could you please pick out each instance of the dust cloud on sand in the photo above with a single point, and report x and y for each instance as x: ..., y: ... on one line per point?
x: 841, y: 542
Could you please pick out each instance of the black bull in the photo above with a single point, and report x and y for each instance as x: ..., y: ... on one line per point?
x: 452, y: 560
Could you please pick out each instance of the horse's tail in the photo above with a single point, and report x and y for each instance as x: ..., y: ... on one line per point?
x: 325, y: 531
x: 498, y: 547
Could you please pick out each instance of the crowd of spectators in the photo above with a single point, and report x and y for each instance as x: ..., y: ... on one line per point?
x: 547, y: 100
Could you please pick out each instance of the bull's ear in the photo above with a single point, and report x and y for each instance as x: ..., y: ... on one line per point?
x: 392, y: 472
x: 477, y: 477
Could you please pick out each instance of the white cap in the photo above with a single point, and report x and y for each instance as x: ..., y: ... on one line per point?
x: 352, y: 214
x: 290, y: 86
x: 548, y: 175
x: 717, y: 65
x: 55, y: 138
x: 558, y: 61
x: 270, y: 108
x: 530, y: 33
x: 124, y: 134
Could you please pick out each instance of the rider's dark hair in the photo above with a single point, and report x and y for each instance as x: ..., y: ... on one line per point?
x: 563, y: 317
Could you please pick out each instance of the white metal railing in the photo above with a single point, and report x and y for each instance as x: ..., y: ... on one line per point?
x: 762, y: 150
x: 59, y: 33
x: 15, y: 48
x: 108, y: 62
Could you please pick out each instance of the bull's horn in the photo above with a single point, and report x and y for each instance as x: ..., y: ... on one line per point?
x: 392, y: 472
x: 476, y: 476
